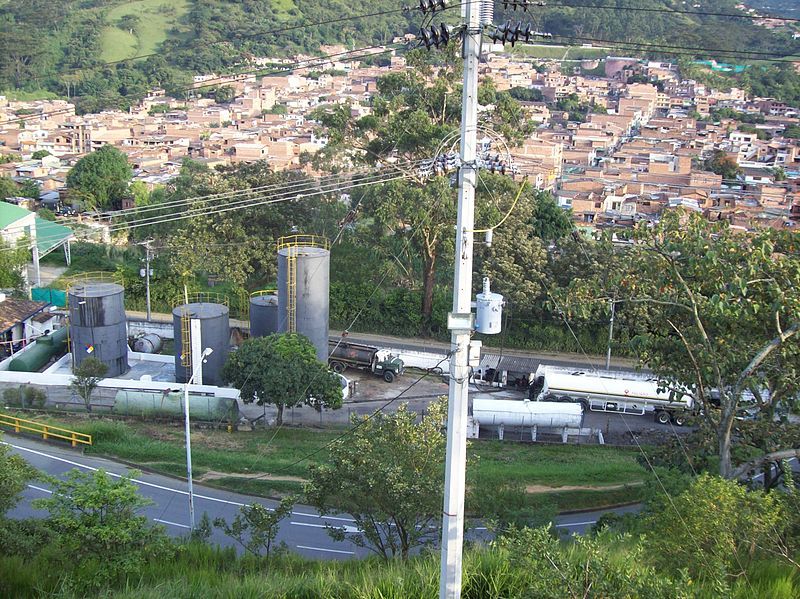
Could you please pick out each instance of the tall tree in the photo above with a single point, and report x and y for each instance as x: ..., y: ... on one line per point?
x: 87, y: 376
x: 13, y: 260
x: 99, y: 180
x: 282, y: 370
x: 723, y: 313
x: 387, y: 473
x: 14, y: 476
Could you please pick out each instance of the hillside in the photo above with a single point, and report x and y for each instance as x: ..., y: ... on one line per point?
x: 63, y: 46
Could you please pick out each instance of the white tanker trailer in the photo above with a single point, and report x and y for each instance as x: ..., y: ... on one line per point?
x: 610, y: 391
x: 510, y: 412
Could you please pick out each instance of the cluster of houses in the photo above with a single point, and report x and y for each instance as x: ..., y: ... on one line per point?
x: 640, y: 148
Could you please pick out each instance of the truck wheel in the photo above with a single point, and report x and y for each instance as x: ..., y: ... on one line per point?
x: 680, y: 419
x: 662, y: 417
x: 338, y: 367
x: 388, y: 376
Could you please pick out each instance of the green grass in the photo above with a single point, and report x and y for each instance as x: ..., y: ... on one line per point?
x: 156, y: 17
x: 222, y: 456
x: 18, y: 95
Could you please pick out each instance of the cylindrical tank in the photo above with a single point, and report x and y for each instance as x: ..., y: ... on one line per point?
x: 152, y: 403
x: 263, y: 315
x: 97, y: 325
x: 215, y: 332
x: 509, y: 412
x: 44, y: 348
x: 148, y: 344
x: 304, y: 279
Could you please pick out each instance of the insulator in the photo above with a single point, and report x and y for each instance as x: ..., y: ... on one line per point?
x: 444, y: 34
x: 486, y: 12
x: 426, y: 38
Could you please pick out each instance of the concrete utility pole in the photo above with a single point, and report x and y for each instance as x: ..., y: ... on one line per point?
x: 460, y: 320
x: 187, y: 432
x: 610, y: 334
x: 147, y: 257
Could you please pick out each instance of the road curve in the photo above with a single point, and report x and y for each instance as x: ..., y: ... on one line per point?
x: 303, y: 531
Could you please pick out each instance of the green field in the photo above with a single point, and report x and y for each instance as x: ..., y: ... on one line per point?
x: 265, y: 462
x: 156, y: 17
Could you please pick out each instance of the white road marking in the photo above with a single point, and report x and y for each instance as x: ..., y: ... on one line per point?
x: 48, y: 491
x: 347, y: 529
x: 161, y: 487
x: 568, y: 524
x: 170, y: 523
x: 323, y: 549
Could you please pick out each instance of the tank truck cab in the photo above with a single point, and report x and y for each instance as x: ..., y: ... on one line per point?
x: 388, y: 365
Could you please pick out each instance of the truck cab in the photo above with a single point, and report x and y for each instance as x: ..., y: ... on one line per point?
x: 388, y: 366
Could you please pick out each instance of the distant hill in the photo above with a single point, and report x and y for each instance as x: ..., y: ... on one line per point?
x: 63, y: 46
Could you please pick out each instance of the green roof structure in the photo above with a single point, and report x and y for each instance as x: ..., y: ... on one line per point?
x: 9, y: 214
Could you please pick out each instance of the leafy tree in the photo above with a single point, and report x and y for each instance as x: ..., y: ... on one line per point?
x: 13, y: 261
x: 87, y: 376
x: 792, y: 132
x: 550, y: 222
x: 255, y: 526
x: 100, y: 180
x: 15, y: 473
x: 722, y: 164
x: 526, y: 94
x: 8, y: 188
x: 39, y: 154
x: 29, y: 189
x: 224, y: 94
x: 282, y: 370
x: 722, y: 313
x: 779, y: 174
x: 588, y: 568
x: 46, y: 214
x: 714, y: 530
x: 387, y: 473
x: 98, y: 522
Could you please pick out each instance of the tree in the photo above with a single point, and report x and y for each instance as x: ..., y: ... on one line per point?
x: 282, y: 370
x: 8, y: 188
x: 255, y: 526
x: 97, y: 518
x: 714, y: 529
x: 387, y: 473
x: 14, y: 476
x: 550, y: 222
x: 13, y: 260
x: 100, y: 180
x: 722, y: 313
x: 722, y: 164
x: 29, y: 189
x: 39, y: 154
x: 87, y: 376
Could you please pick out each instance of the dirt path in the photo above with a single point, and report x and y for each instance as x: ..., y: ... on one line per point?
x: 546, y: 489
x: 214, y: 475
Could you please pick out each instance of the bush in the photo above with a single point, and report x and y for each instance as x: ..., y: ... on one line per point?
x: 13, y: 397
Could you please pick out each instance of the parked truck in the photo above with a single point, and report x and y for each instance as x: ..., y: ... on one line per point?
x: 343, y: 354
x: 611, y: 391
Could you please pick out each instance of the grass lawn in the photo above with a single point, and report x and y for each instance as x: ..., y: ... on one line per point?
x: 156, y: 17
x: 264, y: 462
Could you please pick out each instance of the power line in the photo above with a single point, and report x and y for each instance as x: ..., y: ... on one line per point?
x: 674, y: 11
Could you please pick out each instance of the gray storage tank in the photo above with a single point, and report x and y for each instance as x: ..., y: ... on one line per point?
x: 263, y: 315
x: 215, y: 332
x: 98, y: 326
x: 303, y: 288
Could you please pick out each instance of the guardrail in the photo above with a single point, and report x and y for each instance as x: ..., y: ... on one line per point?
x: 46, y: 430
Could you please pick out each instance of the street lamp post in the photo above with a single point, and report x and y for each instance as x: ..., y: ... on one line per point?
x: 206, y: 352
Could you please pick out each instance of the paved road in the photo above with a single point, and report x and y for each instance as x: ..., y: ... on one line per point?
x: 303, y: 531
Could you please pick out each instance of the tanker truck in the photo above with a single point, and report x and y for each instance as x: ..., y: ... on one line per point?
x: 342, y: 354
x: 611, y: 391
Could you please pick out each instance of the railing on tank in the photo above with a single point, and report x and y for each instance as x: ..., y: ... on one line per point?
x: 305, y: 241
x: 182, y: 302
x: 99, y: 276
x: 46, y: 430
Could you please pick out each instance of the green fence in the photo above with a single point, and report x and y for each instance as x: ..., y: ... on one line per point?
x: 57, y: 297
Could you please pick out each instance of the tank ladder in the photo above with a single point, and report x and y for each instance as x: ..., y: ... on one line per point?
x: 291, y: 289
x: 186, y: 338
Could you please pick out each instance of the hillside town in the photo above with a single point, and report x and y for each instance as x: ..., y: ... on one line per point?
x: 645, y: 143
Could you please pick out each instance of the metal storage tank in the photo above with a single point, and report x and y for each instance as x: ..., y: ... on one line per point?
x: 304, y: 287
x: 263, y: 315
x: 98, y: 325
x: 215, y: 332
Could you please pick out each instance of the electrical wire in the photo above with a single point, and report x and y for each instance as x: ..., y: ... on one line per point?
x: 674, y: 11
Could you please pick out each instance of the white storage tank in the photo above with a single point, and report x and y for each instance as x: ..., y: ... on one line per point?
x: 509, y: 412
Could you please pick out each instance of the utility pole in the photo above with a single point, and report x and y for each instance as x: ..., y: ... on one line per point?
x: 610, y: 333
x: 460, y: 319
x: 148, y: 256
